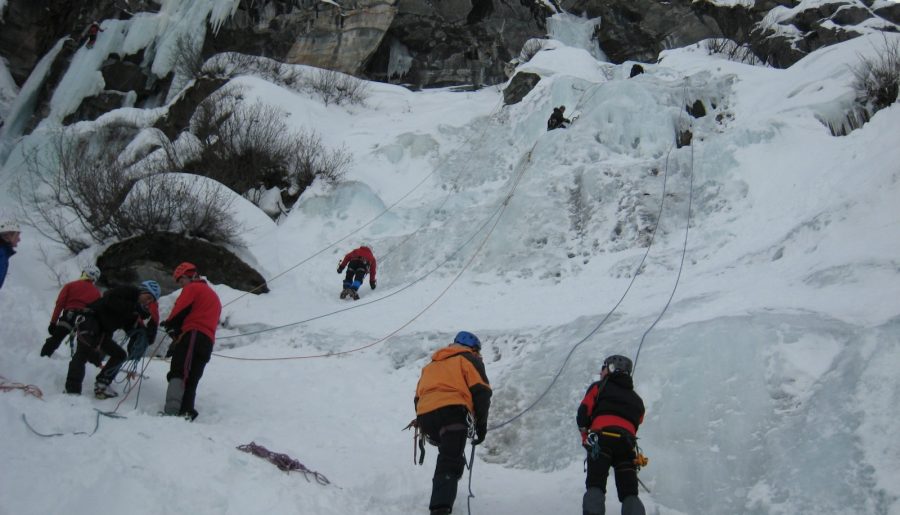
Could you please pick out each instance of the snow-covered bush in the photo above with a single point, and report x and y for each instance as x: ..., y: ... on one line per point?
x: 243, y: 145
x: 78, y: 192
x: 337, y: 88
x: 876, y: 79
x: 732, y: 51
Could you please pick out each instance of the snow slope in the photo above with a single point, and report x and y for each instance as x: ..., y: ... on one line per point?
x: 769, y: 379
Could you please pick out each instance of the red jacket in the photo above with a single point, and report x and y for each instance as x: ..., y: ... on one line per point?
x: 364, y: 253
x: 196, y: 309
x: 74, y: 295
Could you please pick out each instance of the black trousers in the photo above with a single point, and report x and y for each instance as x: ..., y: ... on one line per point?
x: 90, y: 346
x: 447, y: 427
x: 189, y: 359
x: 64, y: 325
x: 356, y: 272
x: 55, y: 340
x: 616, y: 452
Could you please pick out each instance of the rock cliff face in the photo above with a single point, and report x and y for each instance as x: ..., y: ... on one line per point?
x: 426, y: 43
x: 780, y: 32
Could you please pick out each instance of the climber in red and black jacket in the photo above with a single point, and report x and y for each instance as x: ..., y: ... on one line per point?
x: 72, y: 298
x: 608, y: 419
x: 358, y: 262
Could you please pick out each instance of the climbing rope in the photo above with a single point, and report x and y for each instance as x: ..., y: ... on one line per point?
x: 51, y: 435
x: 687, y: 227
x: 376, y: 217
x: 29, y: 389
x: 283, y: 462
x: 634, y: 277
x: 496, y: 216
x: 470, y: 466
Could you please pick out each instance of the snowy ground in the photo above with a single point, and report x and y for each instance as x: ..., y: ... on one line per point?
x: 770, y: 381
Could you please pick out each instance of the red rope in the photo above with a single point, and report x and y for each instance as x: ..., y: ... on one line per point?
x: 30, y: 389
x: 283, y: 461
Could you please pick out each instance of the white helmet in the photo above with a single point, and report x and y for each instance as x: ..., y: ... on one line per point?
x: 9, y: 226
x: 91, y: 272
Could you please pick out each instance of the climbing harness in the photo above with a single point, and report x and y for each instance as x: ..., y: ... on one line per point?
x: 73, y: 334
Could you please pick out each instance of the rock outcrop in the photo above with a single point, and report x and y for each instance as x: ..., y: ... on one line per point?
x: 154, y: 256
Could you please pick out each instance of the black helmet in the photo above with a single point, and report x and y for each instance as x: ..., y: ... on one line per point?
x: 617, y: 363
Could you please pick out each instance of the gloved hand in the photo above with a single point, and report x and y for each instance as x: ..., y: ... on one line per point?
x: 340, y: 269
x: 51, y: 328
x: 480, y: 433
x: 372, y: 284
x: 95, y: 357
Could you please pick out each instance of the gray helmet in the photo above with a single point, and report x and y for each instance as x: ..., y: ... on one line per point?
x: 617, y: 363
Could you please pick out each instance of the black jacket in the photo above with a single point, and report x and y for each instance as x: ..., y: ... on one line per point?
x: 118, y: 308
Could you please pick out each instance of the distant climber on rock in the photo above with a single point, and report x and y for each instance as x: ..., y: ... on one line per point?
x: 557, y: 119
x: 92, y: 32
x: 358, y: 263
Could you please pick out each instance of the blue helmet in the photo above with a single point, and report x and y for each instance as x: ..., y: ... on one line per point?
x: 151, y: 287
x: 468, y: 339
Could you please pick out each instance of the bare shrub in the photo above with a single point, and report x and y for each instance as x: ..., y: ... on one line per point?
x: 876, y: 79
x: 245, y: 144
x: 315, y: 160
x: 338, y: 88
x: 188, y: 61
x: 531, y: 48
x: 168, y: 203
x: 731, y: 50
x: 77, y: 192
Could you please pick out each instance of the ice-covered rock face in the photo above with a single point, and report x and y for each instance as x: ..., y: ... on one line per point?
x: 639, y: 29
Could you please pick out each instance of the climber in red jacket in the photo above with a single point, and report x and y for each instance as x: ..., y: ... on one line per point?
x: 192, y: 326
x: 358, y: 262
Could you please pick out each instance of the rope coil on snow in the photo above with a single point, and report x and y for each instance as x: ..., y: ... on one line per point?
x: 29, y: 389
x: 283, y: 462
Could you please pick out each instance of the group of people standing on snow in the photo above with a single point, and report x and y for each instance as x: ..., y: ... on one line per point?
x: 452, y: 398
x: 90, y: 319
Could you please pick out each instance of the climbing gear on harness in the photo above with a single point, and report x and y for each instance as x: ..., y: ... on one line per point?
x: 418, y: 440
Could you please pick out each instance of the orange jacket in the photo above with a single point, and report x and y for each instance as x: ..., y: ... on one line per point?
x: 455, y: 377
